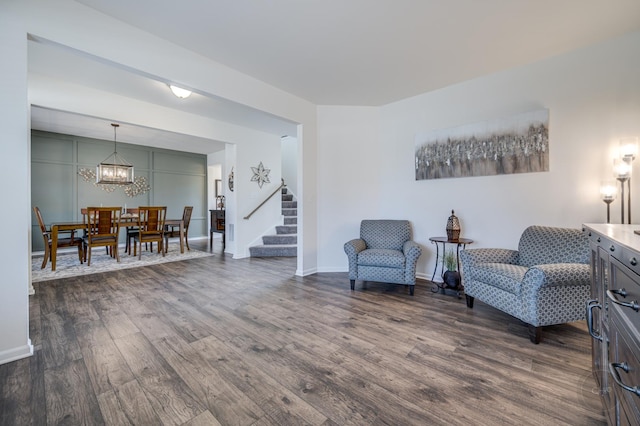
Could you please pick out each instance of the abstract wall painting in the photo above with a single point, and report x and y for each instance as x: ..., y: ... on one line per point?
x: 518, y: 144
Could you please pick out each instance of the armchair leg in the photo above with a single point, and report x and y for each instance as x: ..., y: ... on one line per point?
x: 411, y: 288
x: 535, y: 333
x: 469, y: 301
x: 353, y: 285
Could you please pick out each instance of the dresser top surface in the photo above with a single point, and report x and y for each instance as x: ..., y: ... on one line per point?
x: 623, y: 234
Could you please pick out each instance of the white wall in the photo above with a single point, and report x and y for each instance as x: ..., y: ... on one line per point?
x: 15, y: 173
x: 290, y: 163
x: 231, y: 204
x: 215, y: 170
x: 249, y: 195
x: 350, y: 165
x: 593, y: 97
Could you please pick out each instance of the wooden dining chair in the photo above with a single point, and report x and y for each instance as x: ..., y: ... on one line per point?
x: 170, y: 229
x: 103, y: 230
x: 83, y: 212
x: 66, y: 241
x: 150, y: 228
x: 132, y: 229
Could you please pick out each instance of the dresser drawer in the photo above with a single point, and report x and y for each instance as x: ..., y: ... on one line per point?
x: 624, y: 292
x: 624, y: 369
x: 625, y: 256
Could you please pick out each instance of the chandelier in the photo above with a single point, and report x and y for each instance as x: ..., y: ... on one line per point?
x: 114, y: 169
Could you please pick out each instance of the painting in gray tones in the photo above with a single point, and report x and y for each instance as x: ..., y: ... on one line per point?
x: 518, y: 144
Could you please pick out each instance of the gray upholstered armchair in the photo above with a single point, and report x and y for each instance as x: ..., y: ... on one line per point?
x: 545, y: 282
x: 384, y: 253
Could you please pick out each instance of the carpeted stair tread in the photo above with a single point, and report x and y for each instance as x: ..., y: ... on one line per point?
x: 274, y: 250
x: 280, y: 239
x: 286, y: 229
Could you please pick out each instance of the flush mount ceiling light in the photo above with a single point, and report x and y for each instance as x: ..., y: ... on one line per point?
x: 114, y: 170
x: 180, y: 92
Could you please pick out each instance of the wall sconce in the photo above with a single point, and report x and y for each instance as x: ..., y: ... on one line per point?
x: 628, y: 149
x: 622, y: 172
x: 628, y: 153
x: 608, y: 192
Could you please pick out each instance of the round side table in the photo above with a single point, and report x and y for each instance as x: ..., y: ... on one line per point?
x: 460, y: 242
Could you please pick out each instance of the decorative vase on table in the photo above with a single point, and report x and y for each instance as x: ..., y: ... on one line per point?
x: 452, y: 279
x: 453, y: 227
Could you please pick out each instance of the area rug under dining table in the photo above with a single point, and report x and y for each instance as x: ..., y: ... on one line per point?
x: 68, y: 265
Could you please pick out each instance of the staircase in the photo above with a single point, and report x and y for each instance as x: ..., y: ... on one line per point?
x: 285, y: 242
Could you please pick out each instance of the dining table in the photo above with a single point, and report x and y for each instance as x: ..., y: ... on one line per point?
x: 127, y: 218
x: 74, y: 226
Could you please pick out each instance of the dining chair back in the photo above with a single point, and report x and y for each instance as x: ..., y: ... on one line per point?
x: 170, y: 229
x: 150, y: 228
x: 69, y: 241
x: 103, y: 230
x: 132, y: 227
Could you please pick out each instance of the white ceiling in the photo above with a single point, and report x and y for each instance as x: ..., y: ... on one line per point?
x: 373, y: 52
x: 330, y: 52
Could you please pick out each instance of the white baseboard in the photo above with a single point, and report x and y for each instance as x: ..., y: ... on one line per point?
x: 306, y: 272
x: 16, y: 353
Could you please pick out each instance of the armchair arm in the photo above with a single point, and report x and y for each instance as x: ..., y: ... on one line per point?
x: 411, y: 249
x: 352, y: 248
x: 557, y: 274
x: 412, y: 252
x: 555, y: 293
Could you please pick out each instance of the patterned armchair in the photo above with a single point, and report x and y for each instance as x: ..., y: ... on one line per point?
x: 384, y: 253
x: 545, y: 282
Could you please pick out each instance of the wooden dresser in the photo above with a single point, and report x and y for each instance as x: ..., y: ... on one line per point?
x: 613, y: 319
x: 217, y: 225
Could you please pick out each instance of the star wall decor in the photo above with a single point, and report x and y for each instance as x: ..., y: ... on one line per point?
x: 260, y: 175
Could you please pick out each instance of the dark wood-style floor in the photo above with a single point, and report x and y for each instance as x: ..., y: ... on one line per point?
x: 245, y: 342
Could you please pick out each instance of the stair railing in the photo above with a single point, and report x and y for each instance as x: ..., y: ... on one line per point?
x: 282, y: 185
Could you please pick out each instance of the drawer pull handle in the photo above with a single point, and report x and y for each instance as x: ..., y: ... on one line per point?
x: 633, y: 261
x: 613, y: 370
x: 612, y: 248
x: 590, y: 305
x: 622, y: 292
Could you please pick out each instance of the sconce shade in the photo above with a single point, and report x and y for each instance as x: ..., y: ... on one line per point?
x: 114, y: 170
x: 608, y: 191
x: 628, y: 148
x: 621, y: 169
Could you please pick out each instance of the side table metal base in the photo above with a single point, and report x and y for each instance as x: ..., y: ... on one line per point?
x: 442, y: 287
